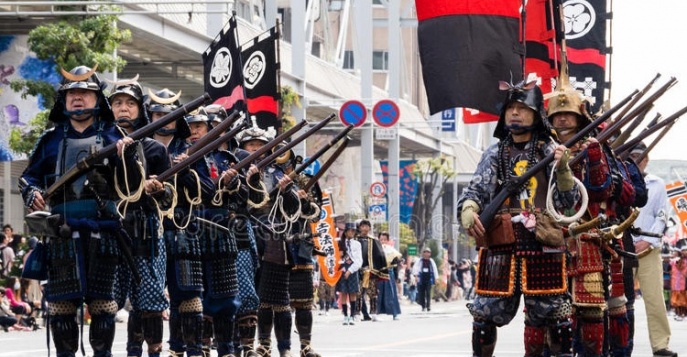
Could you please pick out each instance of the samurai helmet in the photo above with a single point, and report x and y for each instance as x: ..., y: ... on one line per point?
x: 132, y: 88
x: 253, y: 133
x: 215, y: 112
x: 531, y: 96
x: 85, y: 78
x: 565, y: 99
x: 197, y: 117
x: 163, y: 101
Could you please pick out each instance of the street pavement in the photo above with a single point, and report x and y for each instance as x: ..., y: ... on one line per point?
x: 445, y: 331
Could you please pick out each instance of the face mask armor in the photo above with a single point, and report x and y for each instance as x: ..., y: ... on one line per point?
x: 531, y: 96
x: 133, y: 89
x: 166, y: 101
x: 81, y: 77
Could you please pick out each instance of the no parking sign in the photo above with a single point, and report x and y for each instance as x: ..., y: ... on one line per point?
x: 353, y: 112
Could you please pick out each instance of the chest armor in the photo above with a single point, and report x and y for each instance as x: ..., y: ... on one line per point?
x: 70, y: 151
x: 533, y: 192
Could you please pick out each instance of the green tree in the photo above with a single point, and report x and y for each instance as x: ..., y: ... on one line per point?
x: 69, y: 42
x: 407, y: 235
x: 429, y: 173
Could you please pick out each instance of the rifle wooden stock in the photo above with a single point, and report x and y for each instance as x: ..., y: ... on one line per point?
x: 642, y: 109
x: 267, y: 147
x: 279, y: 152
x: 326, y: 165
x: 507, y: 189
x: 630, y: 144
x: 85, y: 163
x: 213, y: 134
x: 653, y: 143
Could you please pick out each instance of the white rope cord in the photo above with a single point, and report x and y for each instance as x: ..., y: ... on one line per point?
x: 124, y: 198
x: 552, y: 210
x: 161, y: 214
x: 316, y: 213
x: 261, y: 189
x: 278, y: 207
x: 217, y: 199
x: 193, y: 201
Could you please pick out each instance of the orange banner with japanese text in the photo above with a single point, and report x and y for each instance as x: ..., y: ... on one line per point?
x: 327, y: 242
x: 677, y: 195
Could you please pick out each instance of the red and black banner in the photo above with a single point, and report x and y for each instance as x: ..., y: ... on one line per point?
x: 261, y: 75
x: 584, y: 27
x: 223, y: 77
x: 466, y: 48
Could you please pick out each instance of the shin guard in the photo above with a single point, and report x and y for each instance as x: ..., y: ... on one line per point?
x: 282, y: 329
x: 265, y: 324
x: 134, y: 336
x: 247, y: 327
x: 534, y: 340
x: 561, y: 338
x: 153, y: 326
x: 176, y: 335
x: 618, y: 332
x: 192, y: 327
x: 224, y: 332
x: 304, y: 327
x: 65, y: 334
x: 592, y: 338
x: 483, y: 339
x: 102, y: 334
x: 208, y: 332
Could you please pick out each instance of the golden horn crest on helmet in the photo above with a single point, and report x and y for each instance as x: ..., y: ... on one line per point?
x: 78, y: 77
x: 159, y: 100
x: 123, y: 82
x: 283, y: 158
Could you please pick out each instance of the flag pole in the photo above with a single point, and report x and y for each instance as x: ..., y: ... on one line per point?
x: 238, y: 46
x: 523, y: 55
x: 278, y: 59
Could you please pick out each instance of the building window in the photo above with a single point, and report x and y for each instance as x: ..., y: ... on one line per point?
x: 377, y: 2
x: 348, y: 62
x: 380, y: 60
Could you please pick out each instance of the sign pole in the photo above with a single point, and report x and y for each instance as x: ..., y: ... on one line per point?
x: 393, y: 186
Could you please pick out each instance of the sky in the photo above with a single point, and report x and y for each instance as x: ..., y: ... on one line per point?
x: 648, y: 37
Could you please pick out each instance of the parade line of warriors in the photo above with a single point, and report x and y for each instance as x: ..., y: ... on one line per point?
x: 231, y: 246
x: 570, y: 272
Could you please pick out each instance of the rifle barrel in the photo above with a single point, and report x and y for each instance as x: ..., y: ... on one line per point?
x: 87, y: 162
x: 490, y: 210
x: 630, y: 144
x: 215, y: 132
x: 326, y: 165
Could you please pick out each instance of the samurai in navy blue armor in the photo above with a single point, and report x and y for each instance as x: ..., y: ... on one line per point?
x: 142, y: 223
x: 193, y: 185
x: 218, y: 247
x: 242, y: 195
x: 512, y: 260
x: 301, y: 247
x: 83, y: 247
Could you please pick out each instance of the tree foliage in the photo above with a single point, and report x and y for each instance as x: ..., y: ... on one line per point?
x: 430, y: 173
x: 70, y: 42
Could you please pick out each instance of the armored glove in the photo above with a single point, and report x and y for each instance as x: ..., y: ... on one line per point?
x: 564, y: 174
x: 467, y: 218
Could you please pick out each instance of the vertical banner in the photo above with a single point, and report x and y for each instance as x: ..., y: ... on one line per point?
x: 261, y: 68
x: 677, y: 196
x: 223, y: 78
x: 408, y: 186
x: 329, y: 264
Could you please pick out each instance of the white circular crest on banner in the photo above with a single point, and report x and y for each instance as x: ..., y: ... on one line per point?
x: 254, y: 69
x: 220, y: 73
x: 580, y: 18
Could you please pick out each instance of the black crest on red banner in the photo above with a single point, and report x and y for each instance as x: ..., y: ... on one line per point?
x: 261, y: 75
x: 466, y: 48
x: 223, y: 77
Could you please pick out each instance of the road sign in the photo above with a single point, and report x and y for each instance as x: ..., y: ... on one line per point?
x: 448, y: 120
x: 378, y: 189
x: 412, y: 249
x: 385, y: 133
x: 377, y: 213
x: 386, y: 113
x: 353, y: 112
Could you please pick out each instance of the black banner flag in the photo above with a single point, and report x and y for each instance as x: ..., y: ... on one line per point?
x: 223, y: 77
x: 261, y: 75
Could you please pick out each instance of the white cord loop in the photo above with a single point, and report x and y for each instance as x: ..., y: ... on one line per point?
x: 552, y: 210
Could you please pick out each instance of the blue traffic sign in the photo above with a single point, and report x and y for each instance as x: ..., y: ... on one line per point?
x: 386, y: 113
x: 353, y: 112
